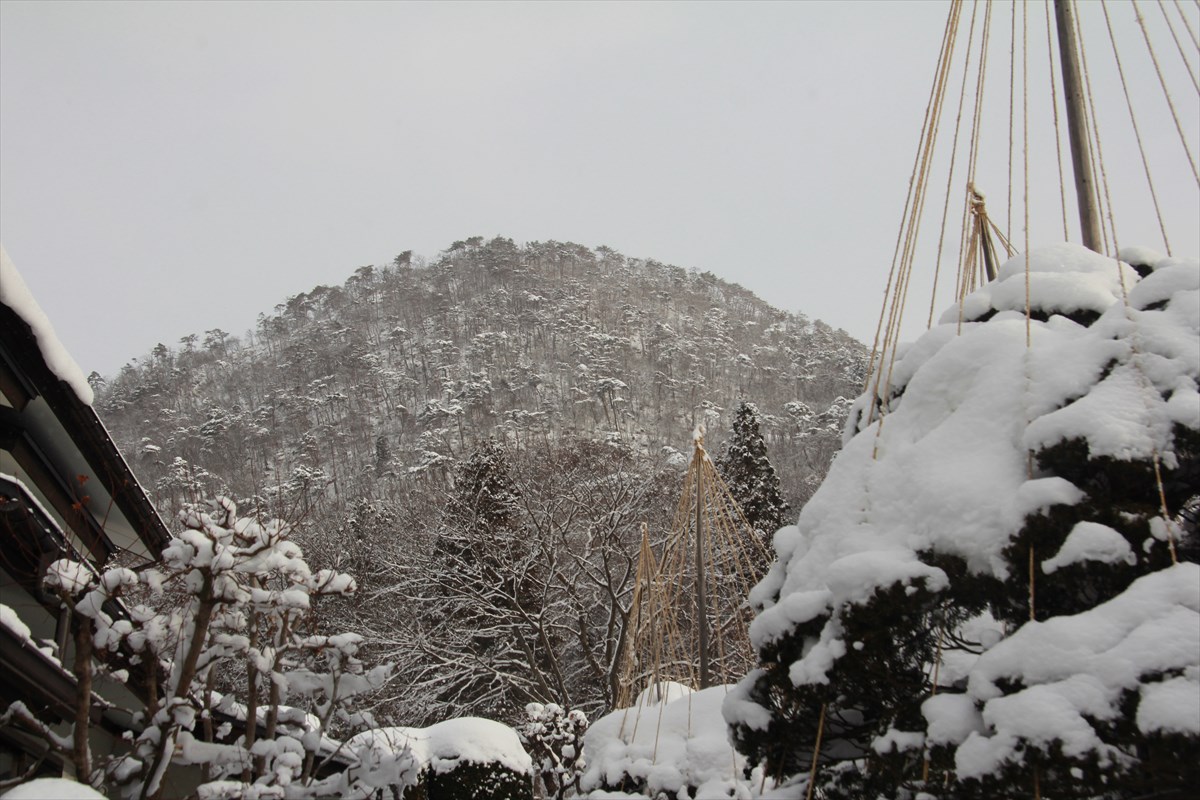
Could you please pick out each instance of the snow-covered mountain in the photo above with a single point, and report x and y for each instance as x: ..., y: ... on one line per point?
x: 361, y: 389
x: 480, y: 440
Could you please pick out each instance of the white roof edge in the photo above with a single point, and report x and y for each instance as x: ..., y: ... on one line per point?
x: 15, y: 294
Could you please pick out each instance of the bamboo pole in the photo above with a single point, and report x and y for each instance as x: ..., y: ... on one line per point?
x: 701, y: 588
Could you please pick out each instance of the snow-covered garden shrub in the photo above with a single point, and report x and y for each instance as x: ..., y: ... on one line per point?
x: 554, y: 738
x: 983, y: 598
x: 676, y: 747
x: 230, y: 594
x: 468, y: 758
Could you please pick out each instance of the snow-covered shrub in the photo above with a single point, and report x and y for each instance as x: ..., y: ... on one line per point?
x: 679, y: 749
x: 554, y: 738
x: 981, y: 601
x: 229, y: 593
x: 468, y: 758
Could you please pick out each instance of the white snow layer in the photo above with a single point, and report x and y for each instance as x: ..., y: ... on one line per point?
x: 666, y: 748
x: 52, y: 789
x: 947, y: 469
x: 444, y: 746
x: 16, y: 295
x: 1077, y: 668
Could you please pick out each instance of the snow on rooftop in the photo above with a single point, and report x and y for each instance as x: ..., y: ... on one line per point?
x: 16, y: 295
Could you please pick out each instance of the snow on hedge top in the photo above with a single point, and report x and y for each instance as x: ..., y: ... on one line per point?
x: 947, y: 468
x: 666, y: 747
x: 444, y: 746
x: 16, y: 295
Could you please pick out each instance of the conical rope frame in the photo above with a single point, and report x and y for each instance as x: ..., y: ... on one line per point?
x: 710, y: 543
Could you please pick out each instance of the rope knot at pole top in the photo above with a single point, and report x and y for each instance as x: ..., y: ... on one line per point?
x: 698, y: 437
x: 977, y: 197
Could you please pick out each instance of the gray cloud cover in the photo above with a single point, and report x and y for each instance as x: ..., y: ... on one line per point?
x: 171, y: 167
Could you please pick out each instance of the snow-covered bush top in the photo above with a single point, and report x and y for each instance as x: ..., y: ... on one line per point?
x: 666, y: 748
x: 1079, y: 667
x: 947, y: 468
x: 446, y: 745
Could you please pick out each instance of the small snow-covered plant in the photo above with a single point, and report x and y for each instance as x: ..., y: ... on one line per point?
x: 553, y: 737
x: 232, y: 595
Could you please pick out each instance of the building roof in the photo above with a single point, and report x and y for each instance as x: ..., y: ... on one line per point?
x: 49, y: 420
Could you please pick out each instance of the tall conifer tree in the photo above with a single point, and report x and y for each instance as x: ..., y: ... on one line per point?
x: 752, y: 479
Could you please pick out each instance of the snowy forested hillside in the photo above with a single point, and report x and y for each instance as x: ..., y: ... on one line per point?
x: 541, y: 389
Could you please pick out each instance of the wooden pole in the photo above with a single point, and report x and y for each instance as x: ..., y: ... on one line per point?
x: 1081, y: 154
x: 701, y: 588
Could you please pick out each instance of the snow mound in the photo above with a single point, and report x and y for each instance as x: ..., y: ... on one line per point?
x: 663, y: 748
x: 52, y: 789
x: 446, y: 745
x: 1063, y: 279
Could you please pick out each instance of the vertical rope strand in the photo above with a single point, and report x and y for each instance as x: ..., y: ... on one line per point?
x: 1136, y: 131
x: 1025, y: 155
x: 1167, y: 94
x: 1187, y: 65
x: 1012, y: 90
x: 812, y: 773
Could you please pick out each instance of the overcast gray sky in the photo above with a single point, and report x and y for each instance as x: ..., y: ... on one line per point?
x: 166, y: 168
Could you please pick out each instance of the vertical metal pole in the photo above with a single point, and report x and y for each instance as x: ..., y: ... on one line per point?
x: 701, y: 589
x: 1081, y: 154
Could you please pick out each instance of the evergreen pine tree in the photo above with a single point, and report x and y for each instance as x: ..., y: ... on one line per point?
x: 982, y: 601
x: 485, y: 503
x: 751, y: 477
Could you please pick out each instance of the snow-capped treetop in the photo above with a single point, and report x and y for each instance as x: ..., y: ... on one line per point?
x: 16, y: 295
x: 948, y: 470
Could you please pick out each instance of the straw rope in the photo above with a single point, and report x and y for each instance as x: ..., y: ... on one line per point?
x: 1166, y: 93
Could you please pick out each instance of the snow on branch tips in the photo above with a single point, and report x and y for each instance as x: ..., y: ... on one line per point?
x: 232, y: 596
